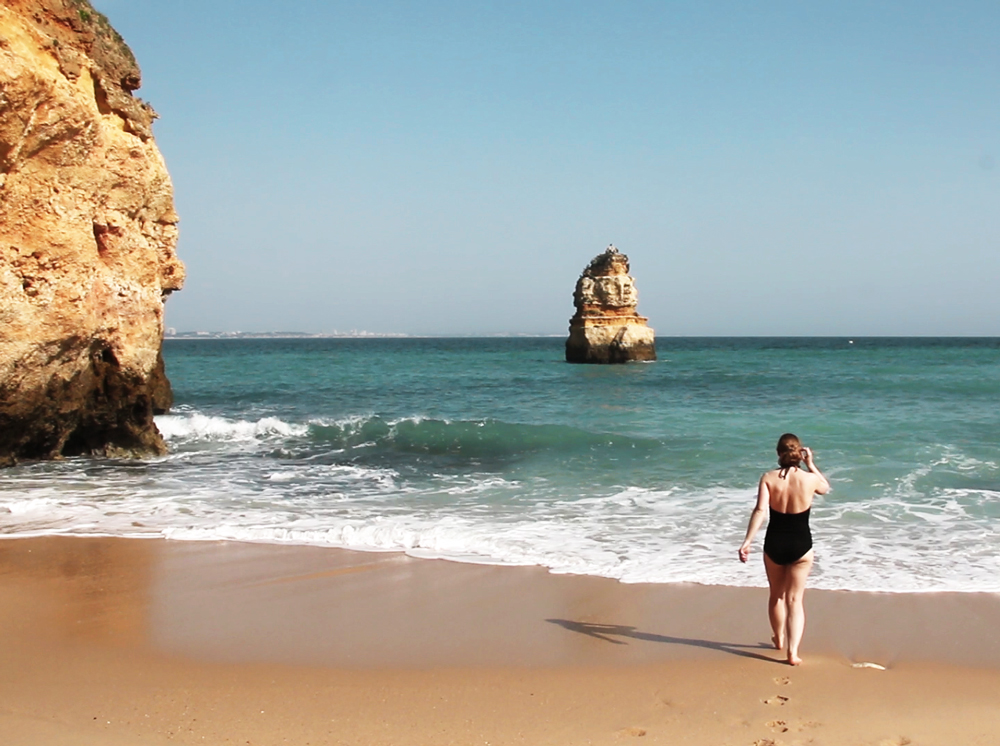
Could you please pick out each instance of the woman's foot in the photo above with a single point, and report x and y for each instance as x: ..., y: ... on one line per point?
x: 777, y: 642
x: 794, y: 660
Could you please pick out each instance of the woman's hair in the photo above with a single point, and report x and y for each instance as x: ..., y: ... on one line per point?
x: 789, y: 451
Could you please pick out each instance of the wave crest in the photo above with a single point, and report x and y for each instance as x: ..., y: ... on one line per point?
x: 417, y: 435
x: 183, y: 427
x: 471, y: 438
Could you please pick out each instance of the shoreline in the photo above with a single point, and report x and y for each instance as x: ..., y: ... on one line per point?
x: 143, y: 641
x: 477, y: 561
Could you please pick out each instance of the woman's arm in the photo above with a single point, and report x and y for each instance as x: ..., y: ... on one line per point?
x: 756, y: 518
x: 823, y: 485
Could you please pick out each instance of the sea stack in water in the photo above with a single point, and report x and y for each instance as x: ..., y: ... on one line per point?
x: 87, y: 238
x: 606, y: 327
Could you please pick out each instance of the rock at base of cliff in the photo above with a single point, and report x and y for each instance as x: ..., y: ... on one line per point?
x: 86, y: 404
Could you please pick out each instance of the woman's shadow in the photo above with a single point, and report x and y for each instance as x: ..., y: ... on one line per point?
x: 607, y: 633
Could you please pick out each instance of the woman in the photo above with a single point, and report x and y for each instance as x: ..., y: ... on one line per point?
x: 788, y: 556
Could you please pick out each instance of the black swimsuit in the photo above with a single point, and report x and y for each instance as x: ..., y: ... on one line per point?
x: 788, y: 537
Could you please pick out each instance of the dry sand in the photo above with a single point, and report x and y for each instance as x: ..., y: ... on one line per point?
x: 117, y: 642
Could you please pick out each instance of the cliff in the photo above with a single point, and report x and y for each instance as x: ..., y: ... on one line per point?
x: 606, y: 327
x: 87, y: 239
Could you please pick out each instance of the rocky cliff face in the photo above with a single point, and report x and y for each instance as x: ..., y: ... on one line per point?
x: 606, y: 327
x: 87, y: 238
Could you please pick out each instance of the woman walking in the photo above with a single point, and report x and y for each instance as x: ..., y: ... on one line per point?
x: 788, y: 555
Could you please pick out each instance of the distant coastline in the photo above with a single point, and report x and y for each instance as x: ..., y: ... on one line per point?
x: 361, y: 334
x: 353, y: 334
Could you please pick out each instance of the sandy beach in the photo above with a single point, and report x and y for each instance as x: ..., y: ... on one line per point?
x: 115, y: 641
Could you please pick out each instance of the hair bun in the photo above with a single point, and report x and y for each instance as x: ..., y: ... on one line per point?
x: 789, y: 451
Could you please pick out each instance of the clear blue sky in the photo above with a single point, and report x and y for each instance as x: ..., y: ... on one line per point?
x: 451, y: 167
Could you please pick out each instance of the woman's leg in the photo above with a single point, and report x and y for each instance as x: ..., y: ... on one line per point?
x: 795, y: 589
x: 777, y: 580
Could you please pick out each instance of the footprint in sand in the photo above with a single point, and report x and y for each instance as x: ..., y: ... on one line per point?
x: 899, y: 741
x: 765, y: 742
x: 782, y: 680
x: 633, y: 731
x: 783, y: 726
x: 777, y: 700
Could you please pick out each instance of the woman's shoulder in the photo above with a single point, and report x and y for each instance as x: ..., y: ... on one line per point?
x: 769, y: 476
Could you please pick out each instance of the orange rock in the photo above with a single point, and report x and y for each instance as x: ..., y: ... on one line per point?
x: 606, y: 327
x: 87, y: 239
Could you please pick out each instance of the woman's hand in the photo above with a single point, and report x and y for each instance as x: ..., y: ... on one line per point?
x: 744, y: 553
x: 823, y: 486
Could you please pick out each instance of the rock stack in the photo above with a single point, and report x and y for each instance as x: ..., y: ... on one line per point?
x: 606, y: 327
x: 87, y: 237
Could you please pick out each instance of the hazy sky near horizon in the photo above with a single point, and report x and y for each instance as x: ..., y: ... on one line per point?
x: 782, y: 168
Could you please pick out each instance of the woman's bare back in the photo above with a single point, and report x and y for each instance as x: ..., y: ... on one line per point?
x: 791, y: 490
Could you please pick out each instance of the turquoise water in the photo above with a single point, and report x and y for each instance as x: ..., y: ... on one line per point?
x: 495, y: 450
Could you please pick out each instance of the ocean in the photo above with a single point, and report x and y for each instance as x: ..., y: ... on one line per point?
x: 497, y: 451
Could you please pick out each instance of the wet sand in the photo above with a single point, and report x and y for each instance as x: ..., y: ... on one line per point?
x: 114, y: 641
